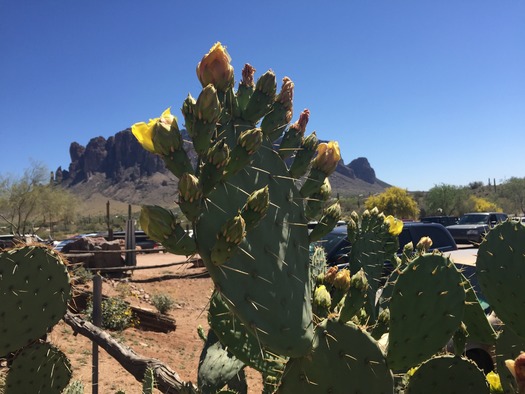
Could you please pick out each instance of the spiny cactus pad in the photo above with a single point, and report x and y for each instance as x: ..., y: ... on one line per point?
x: 239, y: 341
x: 344, y: 359
x: 39, y: 368
x: 508, y: 347
x: 448, y: 374
x: 35, y: 290
x: 500, y: 268
x: 478, y: 326
x: 426, y: 309
x: 217, y: 366
x: 266, y: 281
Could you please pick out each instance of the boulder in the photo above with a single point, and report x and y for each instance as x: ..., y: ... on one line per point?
x: 104, y: 254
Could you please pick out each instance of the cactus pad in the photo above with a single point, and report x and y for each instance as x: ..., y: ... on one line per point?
x: 266, y: 281
x: 35, y: 290
x: 217, y: 366
x: 448, y: 374
x: 426, y: 309
x: 239, y: 341
x: 500, y: 268
x: 344, y: 359
x: 39, y: 368
x: 508, y: 347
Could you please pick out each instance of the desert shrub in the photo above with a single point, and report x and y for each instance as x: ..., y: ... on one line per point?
x: 81, y: 275
x: 117, y: 314
x: 162, y: 302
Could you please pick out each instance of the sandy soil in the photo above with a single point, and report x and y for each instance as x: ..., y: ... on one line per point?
x: 189, y: 287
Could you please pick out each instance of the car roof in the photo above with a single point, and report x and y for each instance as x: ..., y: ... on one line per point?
x: 343, y: 229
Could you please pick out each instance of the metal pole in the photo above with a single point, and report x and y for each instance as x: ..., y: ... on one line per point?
x: 97, y: 321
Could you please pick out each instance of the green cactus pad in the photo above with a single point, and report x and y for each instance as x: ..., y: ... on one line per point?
x: 344, y: 359
x: 426, y: 309
x: 508, y: 347
x: 239, y: 341
x: 35, y: 291
x: 478, y: 326
x: 217, y: 366
x: 266, y: 282
x: 39, y: 368
x: 500, y: 268
x: 448, y: 374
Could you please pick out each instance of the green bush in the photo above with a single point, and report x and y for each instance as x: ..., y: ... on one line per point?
x: 164, y: 303
x: 81, y: 275
x: 117, y: 314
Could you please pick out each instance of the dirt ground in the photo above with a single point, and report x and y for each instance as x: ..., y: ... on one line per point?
x: 190, y: 288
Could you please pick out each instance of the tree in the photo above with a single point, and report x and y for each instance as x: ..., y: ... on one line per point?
x: 514, y: 191
x: 394, y: 201
x: 19, y: 198
x: 30, y: 198
x: 479, y: 204
x: 445, y: 199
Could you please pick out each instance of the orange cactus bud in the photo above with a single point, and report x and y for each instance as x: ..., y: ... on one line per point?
x: 328, y: 155
x: 215, y: 68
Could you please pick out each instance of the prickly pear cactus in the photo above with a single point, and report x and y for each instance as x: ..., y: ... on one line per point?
x: 448, y: 374
x: 246, y: 197
x: 217, y: 366
x: 35, y: 290
x: 39, y: 368
x: 344, y: 359
x: 426, y: 309
x: 257, y: 183
x: 500, y: 268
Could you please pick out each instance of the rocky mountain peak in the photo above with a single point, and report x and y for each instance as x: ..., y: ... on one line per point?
x: 121, y: 162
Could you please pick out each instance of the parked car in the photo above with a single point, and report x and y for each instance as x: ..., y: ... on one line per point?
x: 472, y: 227
x: 518, y: 219
x: 337, y: 246
x: 141, y: 239
x: 444, y: 220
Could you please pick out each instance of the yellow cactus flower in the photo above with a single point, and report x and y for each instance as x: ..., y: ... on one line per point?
x: 395, y: 225
x: 144, y: 132
x: 328, y: 155
x: 215, y: 68
x: 494, y: 382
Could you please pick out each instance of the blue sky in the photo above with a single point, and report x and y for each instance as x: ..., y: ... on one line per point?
x: 431, y: 92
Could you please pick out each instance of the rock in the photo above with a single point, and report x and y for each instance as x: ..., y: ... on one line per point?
x: 95, y: 244
x: 363, y: 170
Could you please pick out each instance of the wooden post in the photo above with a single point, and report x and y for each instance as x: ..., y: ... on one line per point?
x: 97, y: 321
x: 131, y: 257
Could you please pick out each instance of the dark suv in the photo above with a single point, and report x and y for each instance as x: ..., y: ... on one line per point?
x: 472, y: 227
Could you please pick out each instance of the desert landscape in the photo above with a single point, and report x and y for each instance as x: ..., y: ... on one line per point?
x: 189, y: 286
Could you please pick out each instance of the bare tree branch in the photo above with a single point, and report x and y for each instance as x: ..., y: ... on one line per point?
x: 168, y: 381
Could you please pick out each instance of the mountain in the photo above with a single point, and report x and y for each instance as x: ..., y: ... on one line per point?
x: 120, y: 169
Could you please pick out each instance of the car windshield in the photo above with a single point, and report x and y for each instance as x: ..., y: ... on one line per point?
x: 473, y: 219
